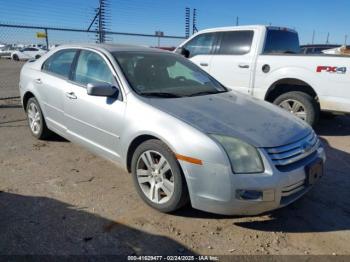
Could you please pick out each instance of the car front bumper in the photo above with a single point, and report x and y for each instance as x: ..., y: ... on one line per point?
x: 213, y: 187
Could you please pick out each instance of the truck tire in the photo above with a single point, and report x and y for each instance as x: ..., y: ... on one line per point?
x: 301, y: 105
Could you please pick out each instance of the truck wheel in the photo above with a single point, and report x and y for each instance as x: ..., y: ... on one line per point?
x: 157, y: 176
x: 301, y: 105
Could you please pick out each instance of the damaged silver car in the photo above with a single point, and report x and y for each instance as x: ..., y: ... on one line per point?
x: 183, y: 136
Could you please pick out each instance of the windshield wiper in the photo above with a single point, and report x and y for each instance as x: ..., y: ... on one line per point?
x: 159, y: 94
x: 207, y: 93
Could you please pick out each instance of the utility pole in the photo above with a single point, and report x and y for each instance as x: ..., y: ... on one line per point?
x: 194, y: 21
x: 346, y: 39
x: 101, y: 21
x: 100, y: 35
x: 187, y: 22
x: 327, y: 41
x: 237, y: 21
x: 313, y: 37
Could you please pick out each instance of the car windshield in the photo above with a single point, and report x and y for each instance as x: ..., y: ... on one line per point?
x: 165, y: 75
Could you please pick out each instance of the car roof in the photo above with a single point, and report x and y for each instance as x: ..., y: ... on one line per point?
x: 112, y: 47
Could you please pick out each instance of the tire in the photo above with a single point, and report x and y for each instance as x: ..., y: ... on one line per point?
x: 15, y: 57
x: 308, y: 111
x: 143, y: 177
x: 34, y: 113
x: 37, y: 56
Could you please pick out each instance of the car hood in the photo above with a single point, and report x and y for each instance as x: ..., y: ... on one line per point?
x: 231, y: 114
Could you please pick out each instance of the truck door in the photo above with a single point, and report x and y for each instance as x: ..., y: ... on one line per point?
x: 233, y: 62
x: 200, y: 49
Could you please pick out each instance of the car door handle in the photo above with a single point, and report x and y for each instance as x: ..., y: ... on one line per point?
x: 71, y: 95
x: 204, y: 64
x: 38, y: 81
x: 243, y: 66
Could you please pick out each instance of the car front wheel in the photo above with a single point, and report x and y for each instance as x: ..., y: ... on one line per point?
x: 158, y: 177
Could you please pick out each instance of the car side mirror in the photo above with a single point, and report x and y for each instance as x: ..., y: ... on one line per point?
x: 102, y: 89
x: 183, y: 51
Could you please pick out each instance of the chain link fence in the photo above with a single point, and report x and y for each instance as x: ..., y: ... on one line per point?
x: 17, y: 37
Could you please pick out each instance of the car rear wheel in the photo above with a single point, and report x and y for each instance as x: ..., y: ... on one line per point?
x: 158, y: 177
x: 301, y: 105
x: 36, y: 119
x: 37, y: 56
x: 15, y: 57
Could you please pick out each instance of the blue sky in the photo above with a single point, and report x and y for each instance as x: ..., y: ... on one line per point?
x: 146, y: 16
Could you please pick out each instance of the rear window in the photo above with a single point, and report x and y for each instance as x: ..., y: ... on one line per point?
x: 281, y: 42
x: 236, y: 42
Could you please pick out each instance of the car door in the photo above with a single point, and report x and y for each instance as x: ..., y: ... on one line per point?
x: 24, y: 53
x: 29, y: 52
x: 200, y: 49
x: 51, y: 83
x: 94, y: 121
x: 233, y: 62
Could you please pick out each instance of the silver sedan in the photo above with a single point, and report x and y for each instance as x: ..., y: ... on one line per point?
x: 182, y: 135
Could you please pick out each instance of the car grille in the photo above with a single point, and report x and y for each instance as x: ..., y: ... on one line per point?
x: 291, y: 153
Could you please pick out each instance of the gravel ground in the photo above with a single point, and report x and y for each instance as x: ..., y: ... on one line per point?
x: 57, y: 198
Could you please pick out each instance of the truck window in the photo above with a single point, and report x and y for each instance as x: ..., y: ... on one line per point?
x: 281, y: 42
x: 236, y: 42
x: 200, y: 45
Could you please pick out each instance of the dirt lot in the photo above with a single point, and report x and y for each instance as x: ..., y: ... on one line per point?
x: 57, y: 198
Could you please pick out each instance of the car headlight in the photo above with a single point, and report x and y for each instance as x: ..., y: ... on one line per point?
x: 244, y: 158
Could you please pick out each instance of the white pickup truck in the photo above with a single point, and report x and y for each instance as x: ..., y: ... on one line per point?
x: 265, y: 62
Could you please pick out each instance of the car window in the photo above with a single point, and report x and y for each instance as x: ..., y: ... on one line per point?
x: 91, y: 68
x: 200, y: 45
x: 236, y: 42
x: 318, y: 50
x: 60, y: 63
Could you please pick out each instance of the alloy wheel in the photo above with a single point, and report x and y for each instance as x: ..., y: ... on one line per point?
x: 294, y: 107
x: 155, y: 177
x: 34, y: 118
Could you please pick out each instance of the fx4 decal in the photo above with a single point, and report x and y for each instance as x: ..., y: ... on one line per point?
x: 331, y: 69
